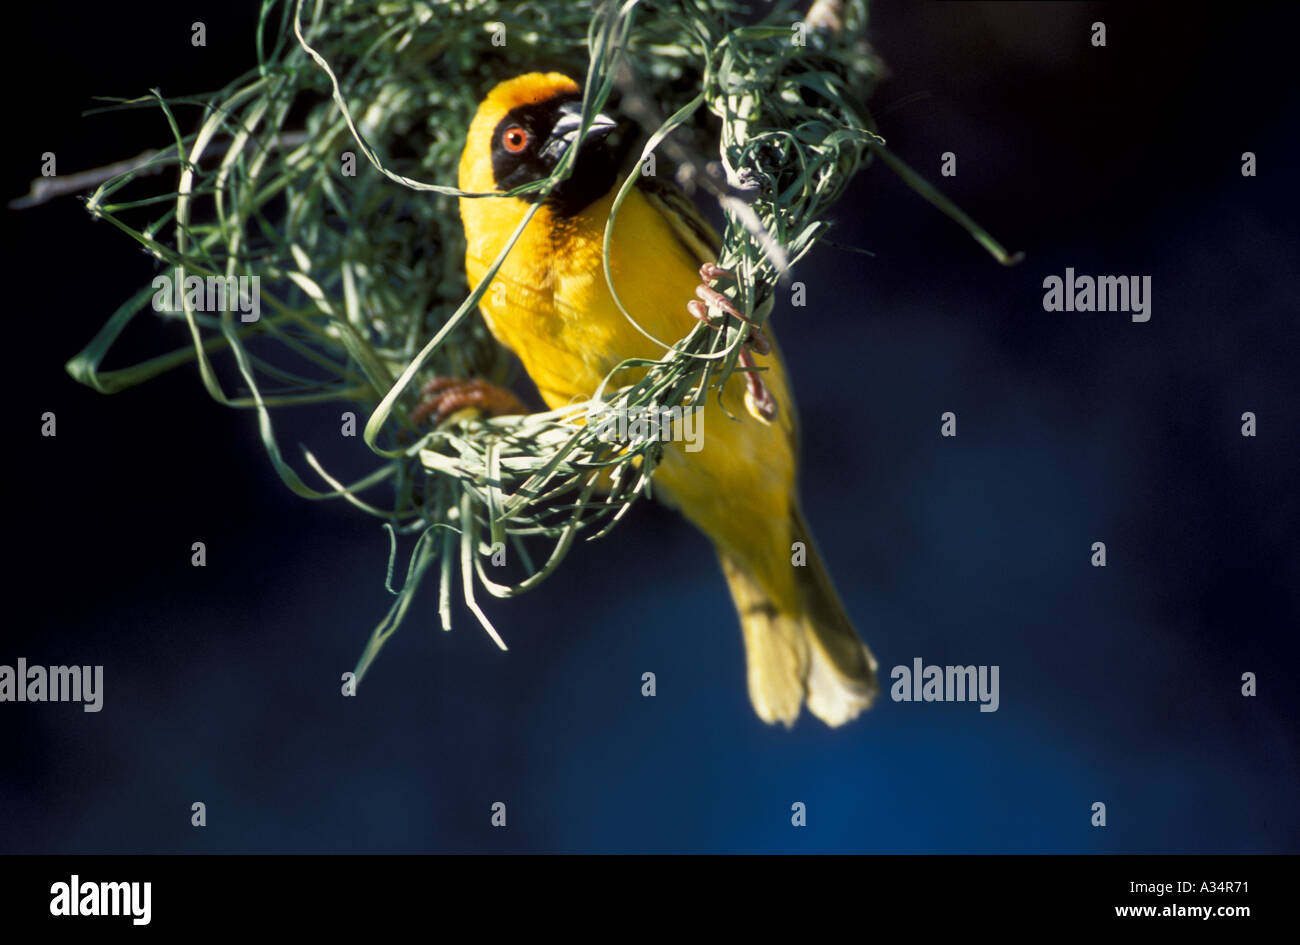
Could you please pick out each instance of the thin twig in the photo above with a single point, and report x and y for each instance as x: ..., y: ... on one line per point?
x: 45, y: 189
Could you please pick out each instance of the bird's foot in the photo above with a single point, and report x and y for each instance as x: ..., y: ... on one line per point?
x: 445, y: 396
x: 757, y: 396
x: 760, y: 400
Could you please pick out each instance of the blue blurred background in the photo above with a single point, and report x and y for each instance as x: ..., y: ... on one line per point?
x: 1120, y: 685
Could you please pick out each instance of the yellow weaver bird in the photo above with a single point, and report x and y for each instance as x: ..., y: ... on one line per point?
x: 551, y: 306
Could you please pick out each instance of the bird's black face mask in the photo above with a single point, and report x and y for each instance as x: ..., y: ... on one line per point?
x: 531, y: 139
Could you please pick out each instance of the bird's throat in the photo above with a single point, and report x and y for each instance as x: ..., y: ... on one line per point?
x: 593, y: 176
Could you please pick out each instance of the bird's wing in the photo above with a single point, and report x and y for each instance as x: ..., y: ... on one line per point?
x: 686, y: 223
x: 701, y: 240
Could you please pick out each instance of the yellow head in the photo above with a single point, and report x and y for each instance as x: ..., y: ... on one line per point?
x: 521, y: 130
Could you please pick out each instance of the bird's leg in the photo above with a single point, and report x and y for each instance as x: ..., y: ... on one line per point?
x: 445, y: 396
x: 759, y: 397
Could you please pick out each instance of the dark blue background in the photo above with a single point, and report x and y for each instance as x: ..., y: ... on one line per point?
x: 1119, y: 685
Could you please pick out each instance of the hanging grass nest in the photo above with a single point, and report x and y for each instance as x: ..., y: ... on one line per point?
x: 325, y: 173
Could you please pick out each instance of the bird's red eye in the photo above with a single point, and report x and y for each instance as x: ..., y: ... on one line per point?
x: 515, y: 139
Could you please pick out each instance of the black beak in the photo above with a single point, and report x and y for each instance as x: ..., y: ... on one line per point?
x: 569, y: 124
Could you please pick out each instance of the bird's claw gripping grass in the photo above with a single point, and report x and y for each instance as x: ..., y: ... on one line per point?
x: 756, y: 342
x: 445, y: 396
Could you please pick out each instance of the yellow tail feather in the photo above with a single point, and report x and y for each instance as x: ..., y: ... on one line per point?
x: 809, y: 651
